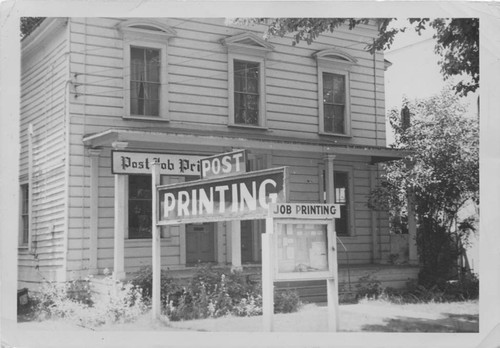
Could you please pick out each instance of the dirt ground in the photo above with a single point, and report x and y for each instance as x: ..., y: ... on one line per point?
x: 366, y: 316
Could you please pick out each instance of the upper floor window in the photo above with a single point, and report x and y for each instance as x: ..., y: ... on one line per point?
x: 246, y: 80
x: 246, y: 92
x: 334, y: 103
x: 334, y: 92
x: 145, y: 69
x: 145, y: 85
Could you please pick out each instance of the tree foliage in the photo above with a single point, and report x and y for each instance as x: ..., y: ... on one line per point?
x: 28, y: 24
x: 441, y: 172
x: 457, y: 39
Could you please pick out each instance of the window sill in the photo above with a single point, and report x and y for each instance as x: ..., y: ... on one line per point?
x: 247, y: 126
x: 337, y: 135
x: 146, y: 118
x: 23, y: 248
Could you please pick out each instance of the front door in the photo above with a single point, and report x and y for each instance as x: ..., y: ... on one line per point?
x: 200, y: 243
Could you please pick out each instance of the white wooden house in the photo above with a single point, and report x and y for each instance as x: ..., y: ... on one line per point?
x: 193, y: 87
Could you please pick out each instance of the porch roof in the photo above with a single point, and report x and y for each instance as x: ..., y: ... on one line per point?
x: 147, y: 137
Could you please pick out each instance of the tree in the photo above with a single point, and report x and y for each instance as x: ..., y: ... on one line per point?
x: 457, y: 39
x: 441, y: 171
x: 28, y: 24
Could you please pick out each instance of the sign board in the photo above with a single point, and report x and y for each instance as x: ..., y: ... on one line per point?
x: 246, y: 196
x: 223, y: 165
x: 129, y: 162
x: 305, y: 211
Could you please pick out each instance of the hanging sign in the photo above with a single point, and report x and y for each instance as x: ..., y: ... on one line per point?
x: 305, y: 210
x: 129, y: 162
x: 223, y: 165
x: 246, y: 196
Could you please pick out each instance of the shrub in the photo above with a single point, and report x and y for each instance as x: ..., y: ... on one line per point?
x: 74, y: 302
x: 171, y: 289
x: 212, y: 293
x: 368, y: 287
x: 466, y: 288
x: 287, y: 301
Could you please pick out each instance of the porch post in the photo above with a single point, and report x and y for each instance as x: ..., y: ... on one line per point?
x: 94, y: 208
x: 412, y: 231
x: 375, y: 235
x: 156, y: 246
x: 235, y: 244
x: 330, y: 187
x: 119, y: 238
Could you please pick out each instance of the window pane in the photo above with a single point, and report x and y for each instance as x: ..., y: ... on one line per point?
x: 338, y: 89
x: 239, y: 83
x: 338, y: 119
x: 334, y: 119
x: 139, y: 206
x: 152, y: 107
x: 153, y: 91
x: 252, y: 102
x: 153, y: 65
x: 136, y: 64
x: 327, y: 88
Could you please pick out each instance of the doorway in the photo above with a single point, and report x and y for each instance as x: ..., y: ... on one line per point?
x: 200, y: 243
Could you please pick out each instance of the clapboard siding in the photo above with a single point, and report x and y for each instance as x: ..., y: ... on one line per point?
x: 198, y: 77
x: 43, y: 98
x: 198, y: 97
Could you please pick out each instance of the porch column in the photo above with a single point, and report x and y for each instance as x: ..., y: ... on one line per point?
x: 94, y: 208
x: 374, y: 219
x: 235, y: 230
x: 330, y: 185
x: 412, y: 231
x: 119, y: 241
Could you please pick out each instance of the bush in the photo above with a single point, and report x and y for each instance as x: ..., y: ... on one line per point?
x: 74, y: 302
x: 368, y: 287
x: 212, y: 293
x: 466, y: 288
x: 287, y: 301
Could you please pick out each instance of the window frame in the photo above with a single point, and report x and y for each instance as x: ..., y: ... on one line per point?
x: 155, y: 38
x: 250, y: 48
x: 146, y: 82
x: 336, y: 62
x: 21, y: 242
x: 262, y: 121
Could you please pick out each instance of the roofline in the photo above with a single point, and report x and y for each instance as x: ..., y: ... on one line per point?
x: 41, y: 32
x: 107, y: 137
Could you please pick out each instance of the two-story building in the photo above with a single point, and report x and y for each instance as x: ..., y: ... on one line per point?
x: 189, y: 88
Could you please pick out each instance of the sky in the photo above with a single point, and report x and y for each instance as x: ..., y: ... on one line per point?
x: 415, y: 72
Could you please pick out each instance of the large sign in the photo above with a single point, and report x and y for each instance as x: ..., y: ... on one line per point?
x: 305, y: 210
x: 246, y: 196
x: 128, y: 162
x: 226, y: 164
